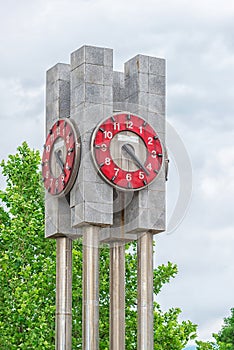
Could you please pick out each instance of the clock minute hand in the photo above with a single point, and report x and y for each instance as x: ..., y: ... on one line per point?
x: 59, y: 161
x: 135, y: 158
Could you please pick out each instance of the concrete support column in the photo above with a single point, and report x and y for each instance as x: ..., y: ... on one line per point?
x: 91, y: 288
x: 145, y: 292
x: 117, y: 296
x: 63, y: 293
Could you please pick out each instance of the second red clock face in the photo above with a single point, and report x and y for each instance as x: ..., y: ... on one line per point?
x: 61, y: 157
x: 127, y: 151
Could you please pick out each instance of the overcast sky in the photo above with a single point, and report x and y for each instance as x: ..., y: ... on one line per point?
x: 196, y: 39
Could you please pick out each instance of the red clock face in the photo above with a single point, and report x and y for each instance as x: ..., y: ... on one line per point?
x: 60, y: 158
x: 127, y: 151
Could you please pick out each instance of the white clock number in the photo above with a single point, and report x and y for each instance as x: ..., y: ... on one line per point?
x: 150, y: 140
x: 107, y: 161
x: 48, y: 148
x: 103, y: 147
x: 141, y: 175
x: 129, y: 177
x: 108, y: 134
x: 129, y: 124
x: 153, y: 154
x: 116, y: 171
x: 116, y: 126
x: 141, y: 128
x: 149, y: 166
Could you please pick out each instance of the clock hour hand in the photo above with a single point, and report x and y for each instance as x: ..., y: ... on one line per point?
x: 128, y: 148
x: 59, y: 160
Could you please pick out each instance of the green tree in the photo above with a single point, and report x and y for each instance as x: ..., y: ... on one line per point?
x: 27, y: 273
x: 224, y: 340
x: 27, y: 269
x: 206, y: 345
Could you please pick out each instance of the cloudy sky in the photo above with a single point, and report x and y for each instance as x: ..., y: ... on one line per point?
x: 196, y: 39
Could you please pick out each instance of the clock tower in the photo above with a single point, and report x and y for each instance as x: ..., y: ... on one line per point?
x: 104, y: 170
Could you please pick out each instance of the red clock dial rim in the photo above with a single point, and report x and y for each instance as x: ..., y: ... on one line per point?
x: 100, y: 145
x: 67, y: 131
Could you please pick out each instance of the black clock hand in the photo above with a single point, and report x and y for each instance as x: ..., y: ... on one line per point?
x: 136, y: 160
x: 59, y: 161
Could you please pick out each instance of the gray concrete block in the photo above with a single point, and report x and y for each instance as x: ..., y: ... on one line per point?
x: 162, y: 137
x: 58, y: 218
x: 157, y: 66
x: 118, y: 86
x: 108, y: 57
x: 159, y: 183
x: 132, y: 84
x: 116, y: 233
x: 157, y: 119
x: 142, y: 111
x: 60, y: 71
x: 94, y: 74
x: 58, y: 215
x: 157, y: 220
x: 88, y: 174
x: 92, y: 112
x: 78, y: 214
x: 96, y: 192
x: 147, y: 219
x: 133, y: 99
x: 79, y: 95
x: 143, y: 81
x: 107, y: 94
x: 64, y: 108
x: 143, y: 198
x: 157, y: 103
x: 52, y: 111
x: 90, y: 190
x: 157, y: 84
x: 107, y: 75
x: 143, y: 99
x: 107, y: 110
x: 137, y: 64
x: 142, y: 62
x: 52, y: 92
x: 137, y: 221
x: 93, y: 93
x: 77, y: 57
x: 90, y: 213
x: 94, y: 55
x: 78, y: 77
x: 156, y: 199
x: 58, y: 89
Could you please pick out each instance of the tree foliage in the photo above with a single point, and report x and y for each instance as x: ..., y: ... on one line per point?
x: 27, y: 269
x: 224, y: 340
x: 27, y: 273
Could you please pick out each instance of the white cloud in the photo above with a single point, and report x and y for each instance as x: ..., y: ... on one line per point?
x: 219, y: 174
x: 18, y: 100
